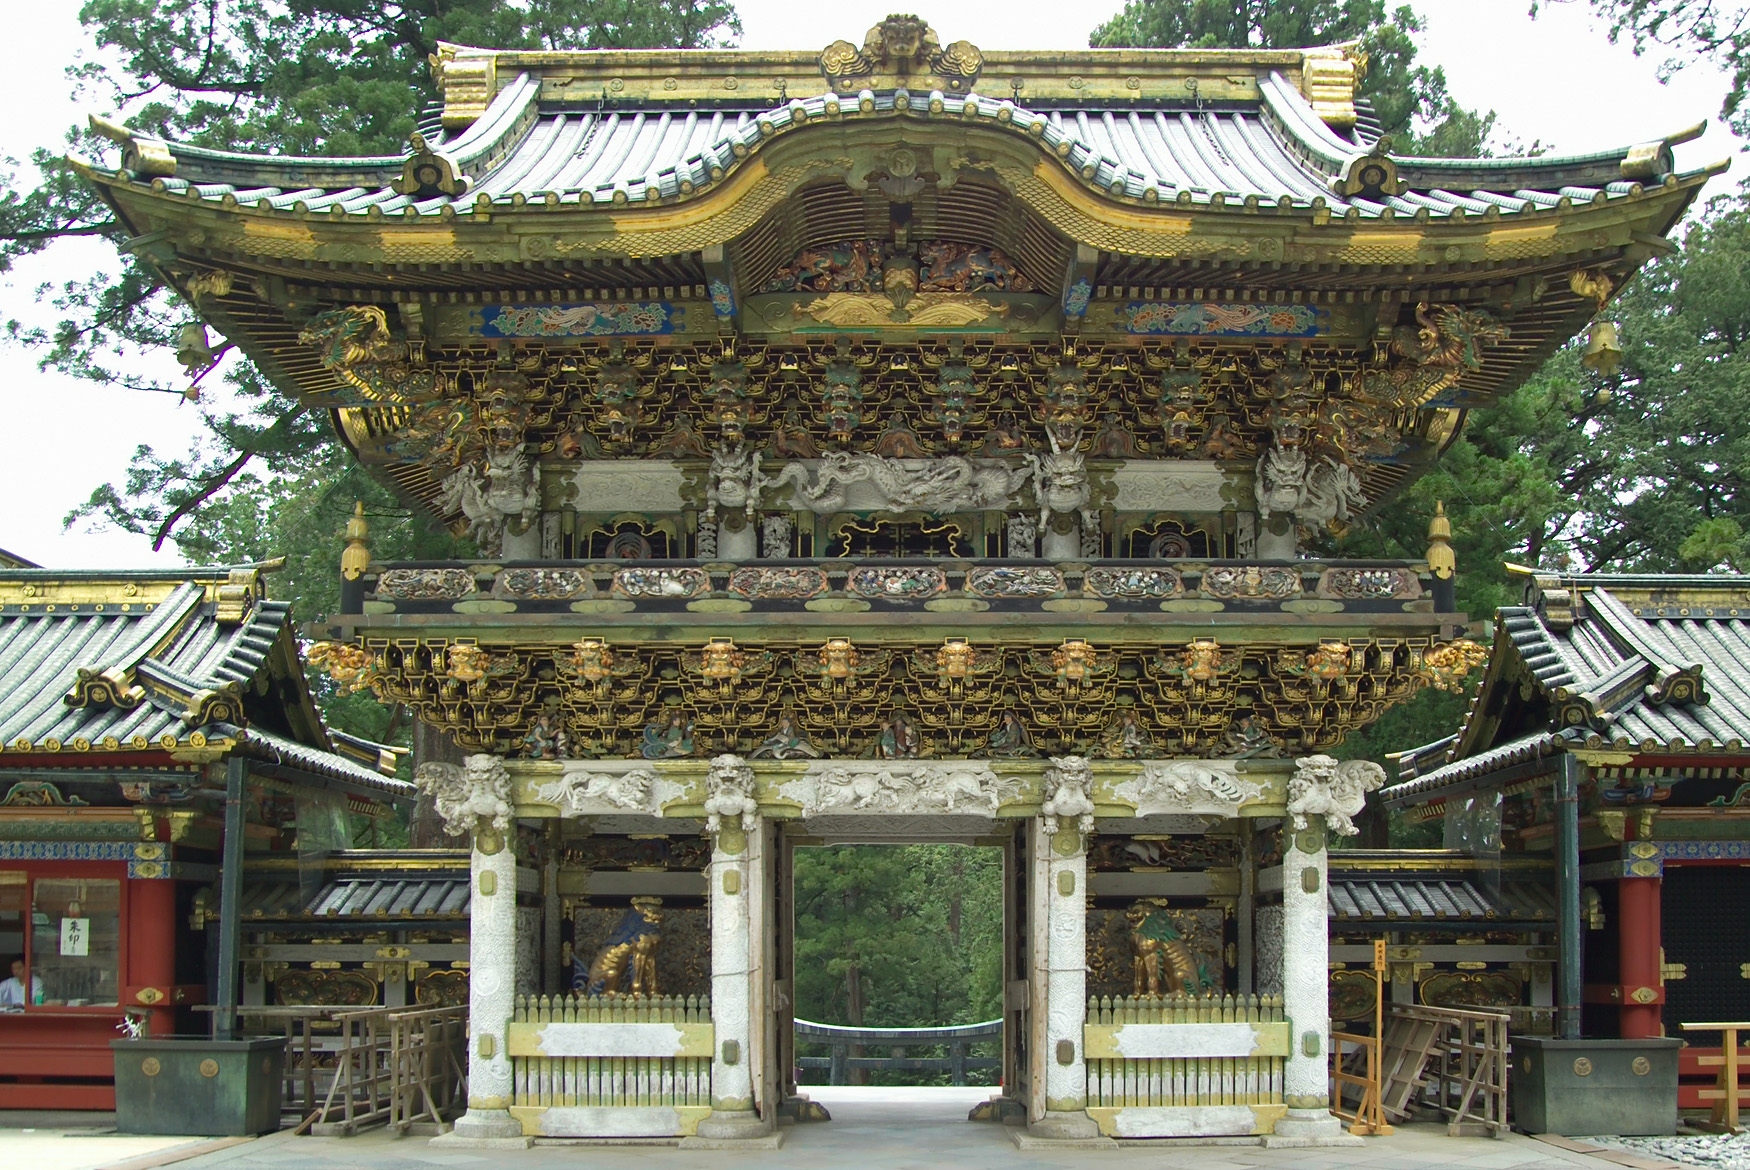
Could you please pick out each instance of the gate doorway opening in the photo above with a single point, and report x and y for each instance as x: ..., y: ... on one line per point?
x: 896, y: 955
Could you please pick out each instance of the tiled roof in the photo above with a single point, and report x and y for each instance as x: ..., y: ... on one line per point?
x: 116, y: 663
x: 422, y: 896
x: 1275, y: 152
x: 1378, y: 899
x: 1632, y: 663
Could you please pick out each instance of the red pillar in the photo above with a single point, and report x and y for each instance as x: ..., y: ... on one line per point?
x: 1638, y: 957
x: 151, y: 960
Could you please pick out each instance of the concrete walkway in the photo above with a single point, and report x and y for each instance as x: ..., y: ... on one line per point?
x: 896, y: 1129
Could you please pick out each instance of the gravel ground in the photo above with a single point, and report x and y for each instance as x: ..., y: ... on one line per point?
x: 1715, y: 1151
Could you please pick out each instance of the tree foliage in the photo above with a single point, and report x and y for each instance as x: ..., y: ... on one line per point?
x: 1411, y: 101
x: 899, y: 936
x: 293, y: 76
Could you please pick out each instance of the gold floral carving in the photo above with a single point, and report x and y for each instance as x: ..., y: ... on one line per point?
x: 877, y: 311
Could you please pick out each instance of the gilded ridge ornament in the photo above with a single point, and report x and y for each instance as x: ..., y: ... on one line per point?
x: 901, y: 50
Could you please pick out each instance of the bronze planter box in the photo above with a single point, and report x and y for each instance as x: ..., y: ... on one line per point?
x: 1579, y: 1087
x: 199, y: 1086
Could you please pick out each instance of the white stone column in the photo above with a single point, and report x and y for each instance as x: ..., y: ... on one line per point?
x: 1061, y: 865
x: 491, y: 987
x: 1322, y: 795
x: 476, y: 800
x: 1305, y: 967
x: 731, y: 967
x: 733, y: 825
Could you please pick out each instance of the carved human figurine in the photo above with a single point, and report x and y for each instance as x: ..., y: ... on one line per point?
x: 898, y: 739
x: 626, y: 962
x: 788, y: 742
x: 1011, y: 739
x: 546, y: 739
x: 668, y: 737
x: 1161, y: 962
x: 1125, y: 739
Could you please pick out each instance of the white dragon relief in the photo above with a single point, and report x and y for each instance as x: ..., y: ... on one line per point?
x: 949, y: 484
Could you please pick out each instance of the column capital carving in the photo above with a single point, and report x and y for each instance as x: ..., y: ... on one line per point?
x: 1068, y: 787
x: 472, y: 798
x: 729, y: 788
x: 1321, y: 786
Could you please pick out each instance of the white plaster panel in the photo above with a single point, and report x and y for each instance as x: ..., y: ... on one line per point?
x: 1184, y: 1041
x: 626, y: 485
x: 587, y: 1121
x: 1145, y: 485
x: 492, y: 955
x: 1185, y: 1121
x: 610, y: 1040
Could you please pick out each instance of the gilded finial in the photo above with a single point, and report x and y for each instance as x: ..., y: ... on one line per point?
x: 1441, y: 562
x: 356, y: 557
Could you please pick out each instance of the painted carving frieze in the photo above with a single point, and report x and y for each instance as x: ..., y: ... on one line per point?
x: 955, y: 696
x: 1336, y: 791
x: 857, y: 786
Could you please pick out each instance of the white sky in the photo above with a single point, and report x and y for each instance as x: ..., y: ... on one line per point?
x: 1556, y: 79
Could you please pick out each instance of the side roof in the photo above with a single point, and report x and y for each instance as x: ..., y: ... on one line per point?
x: 128, y: 668
x: 1644, y: 664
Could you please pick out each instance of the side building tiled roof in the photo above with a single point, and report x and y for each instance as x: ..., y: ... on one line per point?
x: 125, y: 667
x: 1645, y: 664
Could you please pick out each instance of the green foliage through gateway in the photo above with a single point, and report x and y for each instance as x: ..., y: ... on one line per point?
x: 899, y: 936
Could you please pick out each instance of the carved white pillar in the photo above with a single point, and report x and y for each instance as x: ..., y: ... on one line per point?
x: 476, y: 800
x: 1061, y: 847
x: 491, y: 987
x: 732, y: 822
x: 1321, y: 794
x: 1305, y: 966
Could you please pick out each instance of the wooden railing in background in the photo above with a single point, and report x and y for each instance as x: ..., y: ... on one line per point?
x: 1166, y: 1081
x: 1356, y: 1064
x: 957, y: 1061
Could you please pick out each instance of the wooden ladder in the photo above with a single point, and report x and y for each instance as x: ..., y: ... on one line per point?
x: 1408, y: 1048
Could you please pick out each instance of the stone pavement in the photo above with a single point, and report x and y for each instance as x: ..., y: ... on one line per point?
x: 898, y: 1129
x: 876, y: 1129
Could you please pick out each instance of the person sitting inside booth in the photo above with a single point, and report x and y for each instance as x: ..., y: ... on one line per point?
x: 12, y: 989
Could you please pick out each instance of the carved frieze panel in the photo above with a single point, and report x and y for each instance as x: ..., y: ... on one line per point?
x: 909, y: 699
x: 963, y: 787
x: 541, y: 584
x: 1135, y: 584
x: 778, y: 584
x: 574, y: 395
x: 425, y: 584
x: 1014, y: 581
x: 678, y: 584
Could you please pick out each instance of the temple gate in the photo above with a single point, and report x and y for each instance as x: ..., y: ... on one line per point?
x: 898, y: 442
